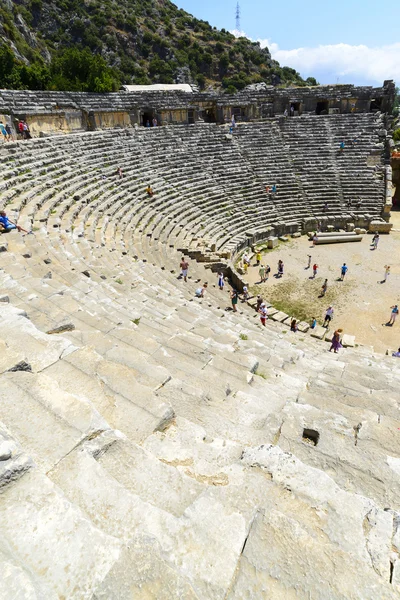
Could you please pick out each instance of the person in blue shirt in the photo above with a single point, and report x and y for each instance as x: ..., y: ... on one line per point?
x: 342, y: 145
x: 6, y: 225
x: 4, y: 133
x: 396, y: 353
x: 343, y: 271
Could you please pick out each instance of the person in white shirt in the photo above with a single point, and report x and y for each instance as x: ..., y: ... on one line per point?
x: 328, y: 316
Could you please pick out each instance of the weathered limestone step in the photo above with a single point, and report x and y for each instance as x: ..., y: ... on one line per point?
x: 49, y: 422
x: 48, y: 526
x: 22, y: 342
x: 369, y: 546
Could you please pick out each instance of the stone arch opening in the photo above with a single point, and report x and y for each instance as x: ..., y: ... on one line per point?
x: 147, y: 117
x: 322, y: 107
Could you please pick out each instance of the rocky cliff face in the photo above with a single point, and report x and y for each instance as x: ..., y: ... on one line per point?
x: 142, y: 41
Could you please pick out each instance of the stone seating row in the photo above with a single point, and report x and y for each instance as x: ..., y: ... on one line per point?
x: 228, y: 183
x: 157, y: 477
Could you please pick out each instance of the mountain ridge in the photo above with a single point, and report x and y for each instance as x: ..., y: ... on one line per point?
x: 97, y: 45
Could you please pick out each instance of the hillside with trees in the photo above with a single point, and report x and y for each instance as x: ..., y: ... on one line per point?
x: 97, y: 45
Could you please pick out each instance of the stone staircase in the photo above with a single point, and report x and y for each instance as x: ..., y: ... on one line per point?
x: 154, y: 445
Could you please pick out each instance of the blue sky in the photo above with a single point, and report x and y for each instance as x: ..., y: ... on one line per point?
x: 353, y: 41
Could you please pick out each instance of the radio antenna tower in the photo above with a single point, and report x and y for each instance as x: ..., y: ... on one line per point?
x: 238, y: 17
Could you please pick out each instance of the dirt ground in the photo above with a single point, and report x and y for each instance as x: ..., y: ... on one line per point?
x: 361, y: 302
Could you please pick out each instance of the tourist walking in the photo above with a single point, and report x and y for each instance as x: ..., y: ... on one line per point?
x: 259, y: 302
x: 343, y: 271
x: 315, y: 270
x: 263, y: 313
x: 375, y: 241
x: 393, y: 314
x: 3, y: 132
x: 234, y: 300
x: 342, y: 146
x: 293, y: 325
x: 324, y: 288
x: 336, y: 344
x: 10, y: 132
x: 184, y: 266
x: 267, y: 272
x: 313, y: 323
x: 258, y: 257
x: 397, y: 354
x: 328, y: 316
x: 309, y: 261
x: 261, y: 272
x: 221, y: 280
x: 280, y: 268
x: 149, y: 190
x: 387, y: 273
x: 26, y: 130
x: 245, y: 293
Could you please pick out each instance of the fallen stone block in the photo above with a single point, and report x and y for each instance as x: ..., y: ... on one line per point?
x: 319, y: 332
x: 278, y: 316
x: 380, y: 226
x: 272, y: 242
x: 348, y: 341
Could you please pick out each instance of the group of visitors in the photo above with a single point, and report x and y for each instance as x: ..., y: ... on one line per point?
x: 153, y: 123
x: 271, y: 190
x: 261, y: 307
x: 23, y: 130
x: 357, y: 204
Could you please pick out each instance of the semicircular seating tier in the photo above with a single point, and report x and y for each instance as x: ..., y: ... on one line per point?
x: 209, y: 190
x: 154, y: 445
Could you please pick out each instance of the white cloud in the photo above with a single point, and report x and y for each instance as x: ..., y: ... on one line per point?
x: 343, y: 62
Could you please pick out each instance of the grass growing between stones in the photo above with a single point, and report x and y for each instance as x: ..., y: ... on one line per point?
x: 301, y: 299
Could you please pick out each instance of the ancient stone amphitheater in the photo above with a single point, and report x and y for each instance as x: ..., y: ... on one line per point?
x: 154, y: 445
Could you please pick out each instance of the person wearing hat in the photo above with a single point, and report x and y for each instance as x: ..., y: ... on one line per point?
x: 263, y: 313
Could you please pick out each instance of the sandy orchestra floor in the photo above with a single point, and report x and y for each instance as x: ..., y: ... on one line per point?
x: 361, y: 303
